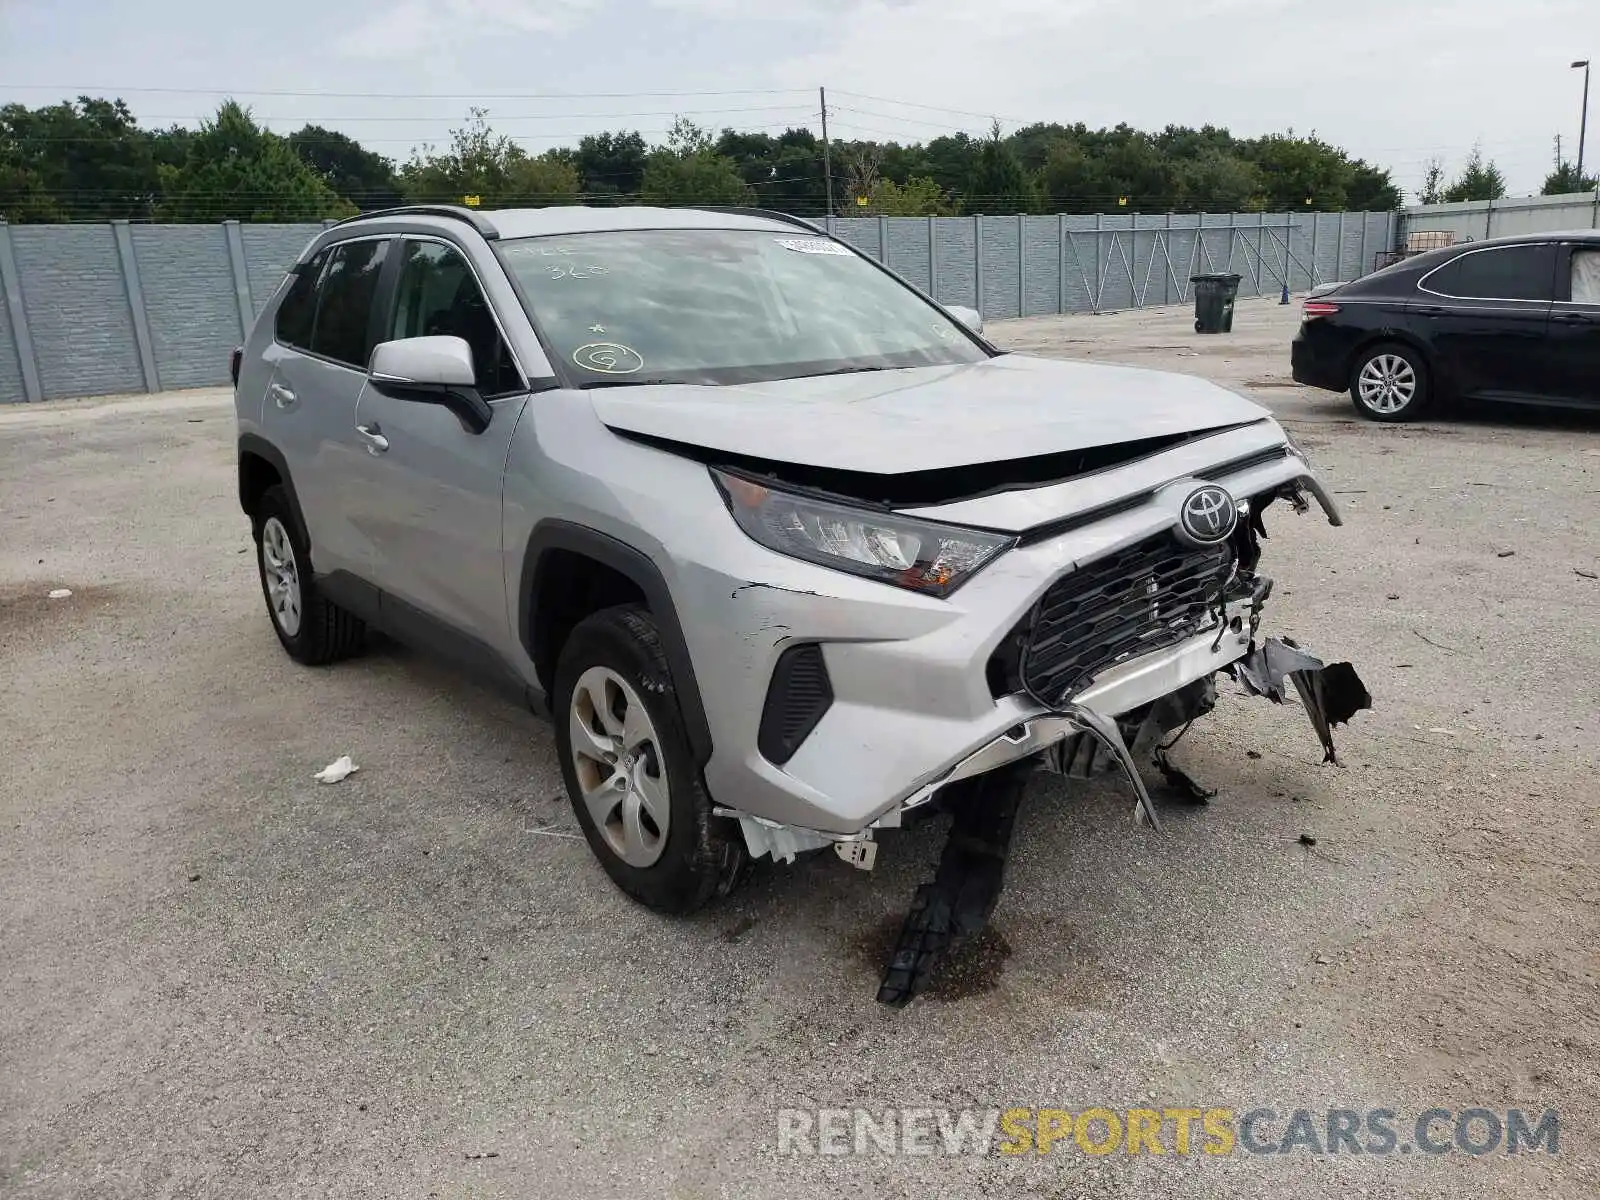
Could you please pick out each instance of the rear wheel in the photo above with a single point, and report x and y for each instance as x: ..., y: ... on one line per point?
x: 1389, y: 383
x: 313, y: 629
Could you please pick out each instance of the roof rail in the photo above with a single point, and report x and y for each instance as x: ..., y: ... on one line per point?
x: 471, y: 216
x: 769, y: 214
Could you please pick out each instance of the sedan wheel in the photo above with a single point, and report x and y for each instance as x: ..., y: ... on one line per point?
x: 1390, y: 384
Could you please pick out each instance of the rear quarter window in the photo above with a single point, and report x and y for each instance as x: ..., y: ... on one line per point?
x: 297, y: 314
x: 1500, y: 273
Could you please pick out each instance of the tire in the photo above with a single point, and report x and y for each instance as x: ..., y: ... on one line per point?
x: 612, y: 662
x: 1390, y: 382
x: 313, y: 629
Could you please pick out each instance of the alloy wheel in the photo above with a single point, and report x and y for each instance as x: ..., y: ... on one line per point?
x: 1387, y: 384
x: 282, y: 576
x: 617, y: 760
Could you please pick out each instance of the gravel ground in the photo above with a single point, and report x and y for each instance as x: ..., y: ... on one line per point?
x: 223, y: 979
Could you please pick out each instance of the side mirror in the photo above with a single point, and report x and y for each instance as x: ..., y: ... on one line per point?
x: 431, y: 370
x: 970, y: 317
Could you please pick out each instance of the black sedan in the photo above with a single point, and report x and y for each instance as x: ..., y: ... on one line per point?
x: 1513, y: 319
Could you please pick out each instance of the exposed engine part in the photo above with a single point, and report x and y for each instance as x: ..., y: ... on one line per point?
x: 966, y: 887
x: 1332, y: 693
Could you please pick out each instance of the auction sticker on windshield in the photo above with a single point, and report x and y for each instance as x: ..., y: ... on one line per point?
x: 812, y: 246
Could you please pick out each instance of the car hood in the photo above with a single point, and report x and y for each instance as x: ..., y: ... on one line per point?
x: 928, y: 418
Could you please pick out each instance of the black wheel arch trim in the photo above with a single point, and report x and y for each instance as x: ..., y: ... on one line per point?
x: 556, y: 534
x: 255, y: 444
x: 1379, y: 337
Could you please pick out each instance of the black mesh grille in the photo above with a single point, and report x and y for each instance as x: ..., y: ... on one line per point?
x: 798, y: 695
x: 1142, y: 598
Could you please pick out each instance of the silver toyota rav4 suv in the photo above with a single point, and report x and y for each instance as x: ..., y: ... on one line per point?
x: 788, y: 550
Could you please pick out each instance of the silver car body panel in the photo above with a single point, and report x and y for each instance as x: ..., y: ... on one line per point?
x: 892, y: 422
x: 444, y: 520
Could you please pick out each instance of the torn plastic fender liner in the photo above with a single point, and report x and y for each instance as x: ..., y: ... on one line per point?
x: 1331, y: 692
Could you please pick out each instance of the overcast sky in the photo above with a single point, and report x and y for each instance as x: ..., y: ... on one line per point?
x: 1393, y: 81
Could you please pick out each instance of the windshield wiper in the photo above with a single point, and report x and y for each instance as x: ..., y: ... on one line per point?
x: 611, y: 383
x: 846, y: 371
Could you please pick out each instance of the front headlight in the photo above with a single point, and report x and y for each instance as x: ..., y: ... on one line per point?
x: 920, y: 555
x: 1294, y: 445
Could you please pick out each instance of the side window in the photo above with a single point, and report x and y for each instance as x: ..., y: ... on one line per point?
x: 298, y: 312
x: 438, y: 295
x: 1504, y: 273
x: 344, y: 315
x: 1585, y: 276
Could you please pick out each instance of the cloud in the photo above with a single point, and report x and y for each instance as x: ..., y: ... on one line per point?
x: 415, y: 28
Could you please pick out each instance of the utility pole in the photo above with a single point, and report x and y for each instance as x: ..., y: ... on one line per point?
x: 1558, y: 152
x: 827, y: 156
x: 1583, y: 121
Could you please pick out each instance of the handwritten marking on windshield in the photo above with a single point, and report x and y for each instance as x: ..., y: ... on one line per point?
x: 608, y: 358
x: 812, y: 246
x: 562, y: 271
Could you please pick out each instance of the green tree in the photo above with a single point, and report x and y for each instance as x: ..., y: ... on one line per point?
x: 1565, y: 180
x: 1218, y: 181
x: 367, y: 180
x: 998, y: 184
x: 611, y: 164
x: 917, y: 197
x: 1479, y: 180
x: 1295, y: 170
x: 689, y: 171
x: 235, y: 170
x: 24, y: 199
x: 489, y: 166
x: 1432, y: 183
x: 84, y: 160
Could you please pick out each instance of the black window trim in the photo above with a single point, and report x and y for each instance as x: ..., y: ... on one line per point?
x: 450, y: 243
x: 1532, y: 243
x: 329, y: 250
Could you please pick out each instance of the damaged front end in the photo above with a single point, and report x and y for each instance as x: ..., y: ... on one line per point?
x: 1194, y: 583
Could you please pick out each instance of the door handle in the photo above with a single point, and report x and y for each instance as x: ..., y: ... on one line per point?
x: 1431, y: 310
x: 281, y: 396
x: 376, y: 442
x: 1574, y: 318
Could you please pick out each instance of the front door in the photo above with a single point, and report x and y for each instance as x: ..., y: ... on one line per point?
x: 424, y: 497
x: 1485, y: 314
x: 1574, y: 345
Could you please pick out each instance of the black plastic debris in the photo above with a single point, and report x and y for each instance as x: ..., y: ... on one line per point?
x: 967, y: 885
x: 1180, y: 781
x: 1332, y: 693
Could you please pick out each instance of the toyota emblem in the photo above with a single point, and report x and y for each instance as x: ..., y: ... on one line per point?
x: 1208, y: 516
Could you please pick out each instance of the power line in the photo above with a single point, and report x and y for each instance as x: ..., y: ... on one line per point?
x: 989, y: 116
x: 235, y: 91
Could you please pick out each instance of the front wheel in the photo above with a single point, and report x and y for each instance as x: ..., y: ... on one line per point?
x: 1389, y: 383
x: 630, y: 773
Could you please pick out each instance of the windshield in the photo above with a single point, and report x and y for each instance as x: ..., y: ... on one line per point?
x: 723, y: 306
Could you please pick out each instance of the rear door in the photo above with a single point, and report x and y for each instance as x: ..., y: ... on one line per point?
x: 325, y: 330
x: 1574, y: 345
x: 425, y: 492
x: 1485, y: 314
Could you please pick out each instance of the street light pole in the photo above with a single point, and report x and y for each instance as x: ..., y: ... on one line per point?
x: 1583, y: 120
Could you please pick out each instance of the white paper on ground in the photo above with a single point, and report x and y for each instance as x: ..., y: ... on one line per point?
x: 338, y: 769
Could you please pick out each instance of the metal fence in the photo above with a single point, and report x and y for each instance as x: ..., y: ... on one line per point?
x: 106, y: 308
x: 1475, y: 220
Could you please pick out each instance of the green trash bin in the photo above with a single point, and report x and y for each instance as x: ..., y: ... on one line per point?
x: 1213, y: 302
